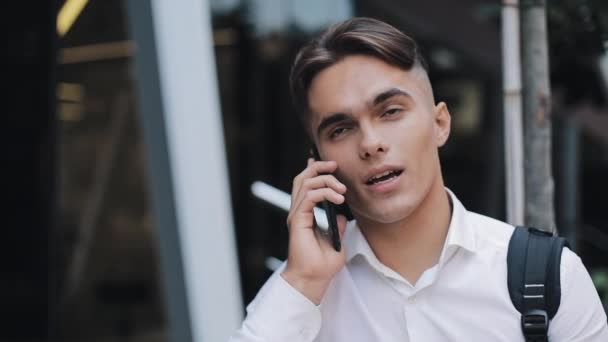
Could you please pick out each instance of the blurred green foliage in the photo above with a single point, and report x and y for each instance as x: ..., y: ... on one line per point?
x: 600, y: 280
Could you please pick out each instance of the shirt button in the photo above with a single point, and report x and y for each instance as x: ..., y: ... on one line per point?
x: 411, y: 299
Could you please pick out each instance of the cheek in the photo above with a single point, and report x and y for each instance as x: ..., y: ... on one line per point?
x: 417, y: 138
x: 417, y: 148
x: 345, y: 172
x: 348, y: 165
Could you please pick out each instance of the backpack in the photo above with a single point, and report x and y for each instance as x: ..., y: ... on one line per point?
x: 533, y: 276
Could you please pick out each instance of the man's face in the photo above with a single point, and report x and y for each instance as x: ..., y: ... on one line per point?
x: 382, y: 127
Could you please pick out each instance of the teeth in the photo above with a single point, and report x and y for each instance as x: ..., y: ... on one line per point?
x: 381, y: 175
x: 386, y: 173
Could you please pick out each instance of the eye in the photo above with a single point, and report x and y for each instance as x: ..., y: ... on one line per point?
x: 391, y: 112
x: 337, y: 132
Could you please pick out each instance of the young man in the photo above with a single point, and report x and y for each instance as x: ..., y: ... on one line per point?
x: 416, y: 265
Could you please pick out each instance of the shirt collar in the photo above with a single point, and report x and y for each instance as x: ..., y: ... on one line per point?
x: 460, y: 234
x: 356, y: 245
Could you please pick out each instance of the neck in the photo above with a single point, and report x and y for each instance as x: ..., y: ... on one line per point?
x: 412, y: 245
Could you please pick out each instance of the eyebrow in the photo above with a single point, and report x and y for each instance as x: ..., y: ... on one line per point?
x: 381, y: 97
x: 332, y: 119
x: 387, y: 94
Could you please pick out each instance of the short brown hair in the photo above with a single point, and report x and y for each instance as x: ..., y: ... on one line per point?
x: 354, y: 36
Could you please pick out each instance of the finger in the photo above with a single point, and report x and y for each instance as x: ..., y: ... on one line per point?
x: 297, y: 180
x: 301, y: 215
x: 312, y: 197
x: 323, y: 181
x: 318, y: 182
x: 323, y: 166
x: 313, y: 169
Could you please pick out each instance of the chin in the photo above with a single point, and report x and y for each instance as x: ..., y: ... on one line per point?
x: 390, y: 211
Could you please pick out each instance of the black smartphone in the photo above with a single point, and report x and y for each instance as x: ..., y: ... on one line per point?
x: 330, y: 211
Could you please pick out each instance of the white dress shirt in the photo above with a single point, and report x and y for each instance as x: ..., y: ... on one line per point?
x: 464, y: 297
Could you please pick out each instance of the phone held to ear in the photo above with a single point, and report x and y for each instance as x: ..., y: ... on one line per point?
x: 330, y: 211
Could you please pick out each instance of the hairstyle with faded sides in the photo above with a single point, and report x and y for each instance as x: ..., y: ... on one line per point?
x: 356, y: 36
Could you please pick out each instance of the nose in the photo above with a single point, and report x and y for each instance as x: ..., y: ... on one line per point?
x: 372, y: 144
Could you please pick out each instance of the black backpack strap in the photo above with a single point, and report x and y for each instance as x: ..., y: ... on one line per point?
x: 533, y: 266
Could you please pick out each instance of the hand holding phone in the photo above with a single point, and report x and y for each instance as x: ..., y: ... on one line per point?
x: 312, y: 260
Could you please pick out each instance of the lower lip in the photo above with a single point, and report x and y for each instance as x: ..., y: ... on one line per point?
x: 385, y: 186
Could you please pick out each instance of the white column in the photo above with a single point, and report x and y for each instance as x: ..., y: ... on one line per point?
x: 200, y: 174
x: 187, y: 166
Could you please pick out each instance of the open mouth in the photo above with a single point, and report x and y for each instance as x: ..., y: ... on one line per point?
x: 383, y: 177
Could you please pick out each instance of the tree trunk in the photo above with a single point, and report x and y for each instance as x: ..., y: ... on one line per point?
x: 539, y: 186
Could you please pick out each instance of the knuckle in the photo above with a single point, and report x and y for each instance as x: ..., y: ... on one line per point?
x: 310, y: 196
x: 296, y: 180
x: 336, y: 196
x: 307, y: 182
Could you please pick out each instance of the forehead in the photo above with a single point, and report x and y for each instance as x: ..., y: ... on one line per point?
x: 351, y: 84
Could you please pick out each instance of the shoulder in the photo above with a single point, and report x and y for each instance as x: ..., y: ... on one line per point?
x: 581, y: 315
x: 571, y: 269
x: 479, y: 232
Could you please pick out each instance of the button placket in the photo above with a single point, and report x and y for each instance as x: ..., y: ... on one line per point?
x: 411, y: 316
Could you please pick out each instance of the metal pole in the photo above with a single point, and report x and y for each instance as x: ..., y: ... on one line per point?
x: 513, y: 134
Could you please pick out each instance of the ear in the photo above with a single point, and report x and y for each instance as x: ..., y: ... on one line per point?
x: 443, y: 123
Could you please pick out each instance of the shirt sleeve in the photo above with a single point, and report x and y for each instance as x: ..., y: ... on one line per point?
x: 580, y: 316
x: 279, y: 312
